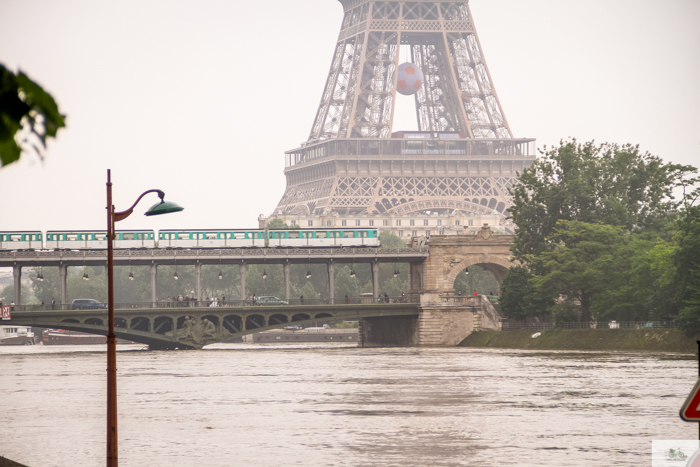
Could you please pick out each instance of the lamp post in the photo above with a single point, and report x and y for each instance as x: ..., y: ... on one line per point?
x: 160, y: 208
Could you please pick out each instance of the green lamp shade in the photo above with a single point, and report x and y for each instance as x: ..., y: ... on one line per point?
x: 164, y: 207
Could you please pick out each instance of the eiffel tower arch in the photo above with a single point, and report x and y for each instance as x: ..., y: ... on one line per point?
x: 453, y: 172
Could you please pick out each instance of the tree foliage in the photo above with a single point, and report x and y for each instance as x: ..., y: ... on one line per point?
x: 276, y: 224
x: 686, y: 259
x: 606, y: 184
x: 577, y: 264
x: 519, y: 299
x: 27, y: 113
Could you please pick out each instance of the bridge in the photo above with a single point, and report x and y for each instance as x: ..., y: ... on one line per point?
x: 431, y: 315
x: 196, y: 325
x: 243, y: 257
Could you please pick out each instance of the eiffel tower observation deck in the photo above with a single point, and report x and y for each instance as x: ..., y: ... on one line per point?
x: 451, y: 174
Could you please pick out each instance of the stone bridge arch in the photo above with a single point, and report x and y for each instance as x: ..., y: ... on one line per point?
x: 495, y: 264
x: 451, y: 254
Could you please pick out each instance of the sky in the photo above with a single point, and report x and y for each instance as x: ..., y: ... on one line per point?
x: 201, y: 99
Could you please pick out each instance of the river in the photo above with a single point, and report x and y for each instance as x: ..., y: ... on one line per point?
x: 336, y: 405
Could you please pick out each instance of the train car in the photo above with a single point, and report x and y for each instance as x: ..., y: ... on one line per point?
x: 211, y: 238
x: 323, y: 238
x: 21, y: 240
x: 97, y: 239
x: 275, y: 238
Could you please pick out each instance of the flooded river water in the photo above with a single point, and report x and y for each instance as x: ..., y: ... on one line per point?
x: 321, y: 405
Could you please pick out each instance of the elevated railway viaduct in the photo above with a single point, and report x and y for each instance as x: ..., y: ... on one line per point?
x: 431, y: 315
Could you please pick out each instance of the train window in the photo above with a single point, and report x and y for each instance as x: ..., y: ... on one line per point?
x: 100, y: 237
x: 212, y: 235
x: 293, y: 235
x: 363, y: 234
x: 16, y: 238
x: 128, y: 236
x: 238, y: 235
x: 321, y: 234
x: 348, y: 234
x: 71, y: 237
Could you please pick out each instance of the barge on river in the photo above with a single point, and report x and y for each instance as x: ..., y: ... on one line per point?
x: 16, y: 335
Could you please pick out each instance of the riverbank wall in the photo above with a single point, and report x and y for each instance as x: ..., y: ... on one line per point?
x: 658, y: 340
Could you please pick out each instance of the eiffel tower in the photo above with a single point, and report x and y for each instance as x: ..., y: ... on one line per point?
x: 462, y: 159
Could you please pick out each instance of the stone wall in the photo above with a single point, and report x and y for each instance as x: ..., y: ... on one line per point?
x: 388, y: 331
x: 446, y: 326
x: 435, y: 326
x: 449, y: 255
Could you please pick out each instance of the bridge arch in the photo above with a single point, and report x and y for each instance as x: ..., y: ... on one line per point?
x: 300, y: 317
x: 254, y: 321
x: 277, y: 318
x: 233, y: 323
x: 496, y: 265
x: 452, y: 254
x: 162, y: 324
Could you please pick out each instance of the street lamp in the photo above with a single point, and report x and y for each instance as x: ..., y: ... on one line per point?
x: 112, y: 217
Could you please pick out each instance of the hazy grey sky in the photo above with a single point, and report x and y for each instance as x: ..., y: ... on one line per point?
x: 201, y: 99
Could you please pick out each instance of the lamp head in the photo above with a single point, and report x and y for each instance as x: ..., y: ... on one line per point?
x: 164, y: 207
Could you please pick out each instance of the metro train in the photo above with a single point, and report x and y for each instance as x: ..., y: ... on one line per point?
x: 188, y: 239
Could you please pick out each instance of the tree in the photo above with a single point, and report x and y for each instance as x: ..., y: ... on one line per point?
x: 607, y: 184
x: 519, y: 299
x: 27, y: 113
x: 7, y: 296
x: 686, y: 259
x: 276, y: 224
x: 578, y: 265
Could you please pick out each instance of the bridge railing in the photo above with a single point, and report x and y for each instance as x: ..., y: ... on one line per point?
x: 592, y: 325
x: 466, y: 300
x: 262, y: 301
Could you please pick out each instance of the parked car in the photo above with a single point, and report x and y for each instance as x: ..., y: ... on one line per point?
x: 293, y: 328
x: 86, y: 304
x: 270, y: 300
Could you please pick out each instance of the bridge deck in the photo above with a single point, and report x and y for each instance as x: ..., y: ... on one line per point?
x: 196, y: 327
x: 224, y: 255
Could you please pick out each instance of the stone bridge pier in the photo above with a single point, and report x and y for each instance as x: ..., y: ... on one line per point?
x: 443, y: 319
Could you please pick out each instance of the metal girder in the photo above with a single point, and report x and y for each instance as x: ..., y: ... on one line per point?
x: 458, y: 95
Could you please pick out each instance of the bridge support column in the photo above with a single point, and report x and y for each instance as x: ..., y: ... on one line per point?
x: 331, y: 282
x: 375, y: 279
x: 17, y: 273
x: 198, y: 273
x: 287, y: 272
x: 154, y: 274
x: 63, y: 282
x: 242, y: 269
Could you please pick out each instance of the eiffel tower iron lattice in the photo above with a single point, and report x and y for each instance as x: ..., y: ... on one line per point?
x: 463, y: 157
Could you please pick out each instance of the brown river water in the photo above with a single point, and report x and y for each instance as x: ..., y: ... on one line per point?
x: 335, y: 405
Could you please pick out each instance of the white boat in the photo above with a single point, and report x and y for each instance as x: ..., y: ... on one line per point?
x: 16, y: 335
